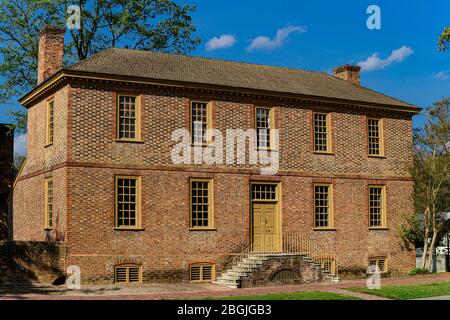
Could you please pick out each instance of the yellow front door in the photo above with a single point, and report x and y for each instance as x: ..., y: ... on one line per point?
x: 265, y: 227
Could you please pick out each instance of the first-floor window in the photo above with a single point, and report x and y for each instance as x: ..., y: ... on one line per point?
x: 322, y: 206
x: 201, y: 197
x: 376, y: 207
x: 49, y: 203
x: 127, y: 202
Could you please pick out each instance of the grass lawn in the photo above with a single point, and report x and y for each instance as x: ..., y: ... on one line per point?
x: 414, y: 291
x: 305, y: 295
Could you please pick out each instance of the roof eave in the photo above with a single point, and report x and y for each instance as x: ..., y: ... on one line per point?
x: 66, y: 73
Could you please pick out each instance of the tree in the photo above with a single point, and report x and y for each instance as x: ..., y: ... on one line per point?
x: 431, y: 173
x: 161, y: 25
x: 444, y: 40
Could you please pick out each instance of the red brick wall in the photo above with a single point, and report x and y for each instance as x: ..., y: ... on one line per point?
x: 166, y: 247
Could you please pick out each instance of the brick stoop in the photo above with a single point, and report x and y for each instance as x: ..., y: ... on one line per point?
x: 260, y: 269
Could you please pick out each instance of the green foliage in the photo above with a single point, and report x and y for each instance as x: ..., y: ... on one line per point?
x: 161, y: 25
x: 416, y: 271
x: 444, y: 40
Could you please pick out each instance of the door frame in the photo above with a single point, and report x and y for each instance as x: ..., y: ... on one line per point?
x: 277, y: 201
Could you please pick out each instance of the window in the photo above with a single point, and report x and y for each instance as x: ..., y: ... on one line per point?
x: 322, y: 132
x: 127, y: 274
x: 48, y: 203
x: 264, y: 123
x: 128, y: 202
x: 50, y: 123
x: 379, y: 262
x: 128, y: 118
x: 201, y: 197
x: 376, y: 207
x: 323, y: 206
x: 199, y: 122
x: 202, y: 272
x: 374, y: 135
x: 266, y: 192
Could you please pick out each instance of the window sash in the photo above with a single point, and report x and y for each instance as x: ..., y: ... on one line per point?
x: 200, y: 115
x: 127, y: 117
x: 50, y: 123
x: 264, y: 192
x: 321, y: 132
x: 374, y: 136
x: 322, y: 206
x: 48, y: 203
x: 201, y: 197
x: 128, y: 202
x: 264, y: 125
x: 376, y: 207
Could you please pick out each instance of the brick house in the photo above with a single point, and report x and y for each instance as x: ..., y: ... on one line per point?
x: 6, y: 174
x: 100, y: 177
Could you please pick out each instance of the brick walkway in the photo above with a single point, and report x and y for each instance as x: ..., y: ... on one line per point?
x: 184, y: 291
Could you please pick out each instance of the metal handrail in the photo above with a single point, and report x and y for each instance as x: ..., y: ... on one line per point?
x: 291, y: 244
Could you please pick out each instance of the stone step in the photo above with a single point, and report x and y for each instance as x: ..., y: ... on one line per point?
x: 225, y: 283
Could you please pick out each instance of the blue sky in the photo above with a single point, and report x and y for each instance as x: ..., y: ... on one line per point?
x: 319, y: 35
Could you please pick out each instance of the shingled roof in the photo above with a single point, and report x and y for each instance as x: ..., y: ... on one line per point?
x: 172, y: 67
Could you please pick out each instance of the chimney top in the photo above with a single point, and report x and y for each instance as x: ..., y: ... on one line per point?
x: 51, y: 52
x: 348, y: 72
x: 51, y: 29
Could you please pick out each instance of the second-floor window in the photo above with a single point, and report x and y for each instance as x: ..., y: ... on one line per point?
x: 322, y: 132
x: 50, y: 123
x: 264, y: 124
x: 199, y: 122
x: 323, y: 206
x: 375, y: 138
x: 127, y: 118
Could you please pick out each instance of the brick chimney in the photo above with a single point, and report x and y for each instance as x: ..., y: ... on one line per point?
x: 51, y: 52
x: 348, y: 72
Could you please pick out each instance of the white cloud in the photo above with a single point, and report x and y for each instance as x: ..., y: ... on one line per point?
x: 442, y: 75
x: 20, y: 144
x: 374, y: 62
x: 222, y: 42
x: 265, y: 43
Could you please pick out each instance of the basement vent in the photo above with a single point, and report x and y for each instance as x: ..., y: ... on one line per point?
x: 380, y: 262
x: 284, y: 275
x: 128, y: 274
x: 201, y: 272
x: 328, y: 265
